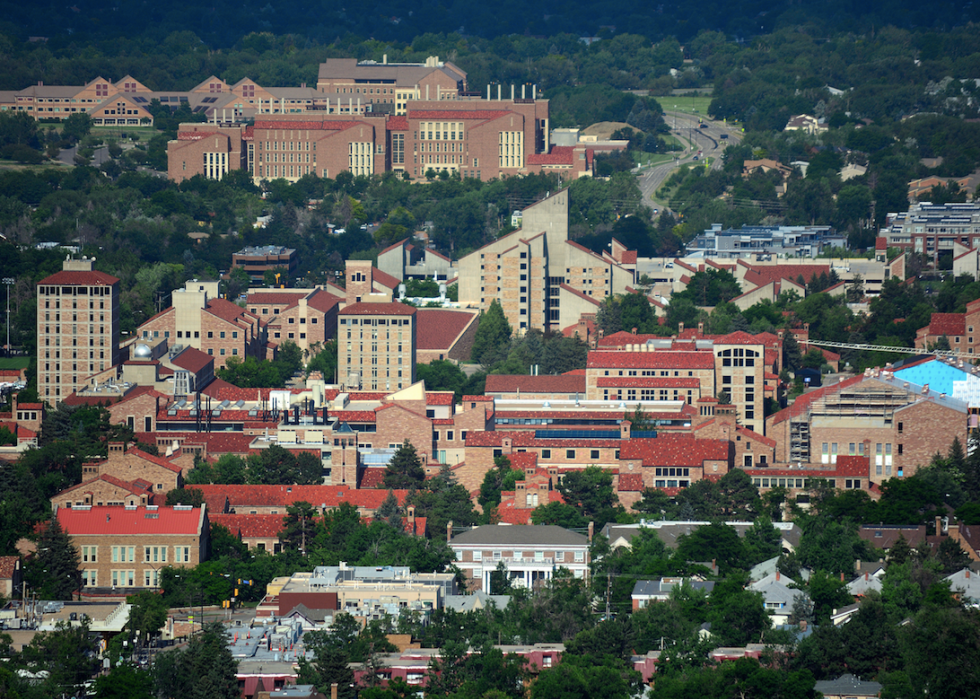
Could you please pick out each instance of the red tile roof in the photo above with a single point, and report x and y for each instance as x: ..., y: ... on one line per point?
x: 881, y: 243
x: 559, y: 155
x: 225, y: 309
x: 527, y: 439
x: 218, y: 443
x: 193, y: 360
x: 378, y: 309
x: 249, y: 526
x: 384, y: 279
x: 651, y: 360
x: 947, y: 324
x: 271, y: 298
x: 244, y: 496
x: 8, y: 565
x: 628, y: 257
x: 397, y: 123
x: 755, y: 436
x: 133, y: 487
x: 322, y: 301
x: 124, y: 521
x: 675, y: 450
x: 802, y: 403
x: 760, y: 275
x: 439, y: 398
x: 80, y: 279
x: 647, y: 382
x: 504, y: 383
x: 630, y: 482
x: 354, y: 415
x: 854, y: 466
x: 372, y: 478
x: 437, y: 329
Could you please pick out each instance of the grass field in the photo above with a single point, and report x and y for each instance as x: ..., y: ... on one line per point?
x: 14, y: 362
x: 687, y: 105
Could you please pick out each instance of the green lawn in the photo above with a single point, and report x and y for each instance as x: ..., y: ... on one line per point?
x: 14, y: 362
x: 687, y: 105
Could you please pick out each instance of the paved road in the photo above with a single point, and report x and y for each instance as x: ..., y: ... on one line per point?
x: 686, y: 128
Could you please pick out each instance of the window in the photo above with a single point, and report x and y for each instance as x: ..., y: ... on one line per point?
x: 546, y: 453
x: 90, y: 578
x: 123, y: 554
x: 123, y: 578
x: 90, y: 554
x: 478, y: 555
x: 155, y: 554
x: 569, y: 453
x: 151, y: 578
x: 594, y: 454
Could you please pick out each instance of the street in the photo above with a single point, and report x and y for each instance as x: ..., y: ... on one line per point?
x: 685, y: 127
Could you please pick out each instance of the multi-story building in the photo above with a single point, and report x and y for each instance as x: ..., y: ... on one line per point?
x: 934, y: 228
x: 388, y: 86
x: 530, y: 554
x: 899, y: 425
x: 77, y: 328
x: 541, y: 279
x: 377, y: 346
x: 121, y: 550
x: 962, y: 330
x: 199, y: 318
x: 747, y: 241
x: 257, y: 260
x: 307, y: 318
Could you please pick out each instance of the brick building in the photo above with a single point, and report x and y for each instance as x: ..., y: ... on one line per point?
x: 961, y: 329
x: 444, y: 334
x: 122, y: 549
x: 377, y: 345
x: 199, y: 318
x: 257, y: 260
x: 77, y: 328
x: 897, y: 424
x: 105, y: 490
x: 134, y: 465
x: 306, y: 318
x: 525, y: 271
x: 671, y: 369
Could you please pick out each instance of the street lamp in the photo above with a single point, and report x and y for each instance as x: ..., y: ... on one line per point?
x: 8, y: 281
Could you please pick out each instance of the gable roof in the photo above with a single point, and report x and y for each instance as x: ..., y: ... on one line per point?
x: 501, y: 535
x: 675, y: 450
x: 123, y: 520
x: 224, y: 309
x: 437, y: 329
x: 193, y: 360
x: 651, y: 360
x: 80, y: 278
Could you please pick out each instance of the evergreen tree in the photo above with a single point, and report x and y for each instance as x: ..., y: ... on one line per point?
x: 54, y: 573
x: 405, y: 471
x: 298, y: 526
x: 492, y: 340
x: 609, y: 319
x: 792, y: 358
x: 389, y: 511
x: 328, y: 667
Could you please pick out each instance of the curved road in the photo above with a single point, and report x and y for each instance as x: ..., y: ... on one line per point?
x: 686, y: 128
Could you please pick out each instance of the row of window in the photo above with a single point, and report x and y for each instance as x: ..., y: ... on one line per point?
x: 122, y: 578
x: 151, y: 554
x: 75, y: 290
x: 538, y: 556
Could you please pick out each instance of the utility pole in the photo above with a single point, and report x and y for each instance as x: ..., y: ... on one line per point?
x: 8, y: 281
x: 608, y: 591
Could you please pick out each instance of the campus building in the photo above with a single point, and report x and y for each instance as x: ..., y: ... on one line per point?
x: 77, y: 328
x: 376, y: 346
x: 542, y: 280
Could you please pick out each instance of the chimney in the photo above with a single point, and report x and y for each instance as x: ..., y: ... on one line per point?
x: 680, y: 328
x: 865, y: 575
x: 411, y: 516
x: 939, y: 526
x: 777, y: 576
x: 714, y: 565
x: 842, y: 576
x: 803, y: 625
x: 591, y: 531
x: 333, y: 690
x: 967, y: 573
x: 449, y: 531
x: 701, y: 327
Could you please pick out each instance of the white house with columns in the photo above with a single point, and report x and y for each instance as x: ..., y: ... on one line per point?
x: 531, y: 554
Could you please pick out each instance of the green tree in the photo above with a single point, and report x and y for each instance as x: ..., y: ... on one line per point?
x: 55, y: 573
x: 147, y: 615
x: 298, y: 526
x: 591, y: 494
x: 124, y: 682
x: 203, y: 669
x: 404, y: 471
x: 581, y: 677
x: 68, y: 654
x: 492, y: 339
